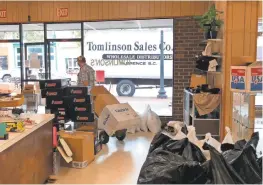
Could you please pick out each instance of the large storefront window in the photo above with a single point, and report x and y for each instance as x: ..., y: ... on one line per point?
x: 129, y: 54
x: 65, y: 41
x: 9, y: 32
x: 10, y: 63
x: 64, y: 31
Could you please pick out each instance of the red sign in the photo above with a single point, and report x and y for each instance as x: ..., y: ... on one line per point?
x: 256, y: 71
x: 62, y: 12
x: 238, y: 72
x: 2, y: 13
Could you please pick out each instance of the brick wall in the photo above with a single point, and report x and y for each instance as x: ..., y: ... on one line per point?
x: 187, y: 39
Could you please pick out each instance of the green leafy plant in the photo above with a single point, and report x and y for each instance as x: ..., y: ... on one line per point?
x: 210, y: 20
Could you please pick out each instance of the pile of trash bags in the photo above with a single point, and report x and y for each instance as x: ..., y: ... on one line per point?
x: 150, y: 121
x: 183, y: 159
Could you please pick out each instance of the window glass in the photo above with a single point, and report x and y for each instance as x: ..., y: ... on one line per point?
x: 9, y: 32
x: 129, y: 54
x: 64, y: 31
x: 3, y: 63
x: 33, y: 33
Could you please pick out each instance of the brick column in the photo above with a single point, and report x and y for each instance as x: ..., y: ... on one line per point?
x: 187, y: 39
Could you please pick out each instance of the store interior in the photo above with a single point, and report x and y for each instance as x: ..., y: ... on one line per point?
x: 171, y: 99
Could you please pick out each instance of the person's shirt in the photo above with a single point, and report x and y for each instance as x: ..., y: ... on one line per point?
x: 86, y: 73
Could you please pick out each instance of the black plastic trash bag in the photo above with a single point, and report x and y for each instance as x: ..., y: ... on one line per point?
x: 245, y: 161
x: 239, y: 145
x: 164, y: 167
x: 226, y: 147
x: 222, y: 172
x: 158, y: 140
x: 186, y: 149
x: 259, y: 161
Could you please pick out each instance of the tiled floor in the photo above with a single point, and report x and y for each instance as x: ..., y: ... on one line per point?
x: 117, y: 163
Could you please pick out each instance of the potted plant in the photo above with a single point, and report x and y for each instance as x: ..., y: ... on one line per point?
x: 210, y: 22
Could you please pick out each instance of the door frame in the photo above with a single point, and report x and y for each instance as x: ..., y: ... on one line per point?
x: 26, y: 58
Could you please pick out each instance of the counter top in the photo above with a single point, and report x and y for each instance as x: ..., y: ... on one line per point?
x: 14, y: 137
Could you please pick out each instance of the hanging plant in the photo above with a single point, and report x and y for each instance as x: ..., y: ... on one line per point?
x: 210, y: 22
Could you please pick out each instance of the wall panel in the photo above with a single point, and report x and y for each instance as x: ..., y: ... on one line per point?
x: 239, y: 39
x: 46, y: 11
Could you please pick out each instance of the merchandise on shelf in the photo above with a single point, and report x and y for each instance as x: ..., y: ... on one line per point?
x: 3, y: 133
x: 246, y: 78
x: 51, y: 84
x: 15, y: 126
x: 55, y: 92
x: 75, y: 90
x: 55, y: 102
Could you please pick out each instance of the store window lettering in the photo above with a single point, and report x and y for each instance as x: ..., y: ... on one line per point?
x: 96, y: 62
x: 137, y: 46
x: 136, y: 56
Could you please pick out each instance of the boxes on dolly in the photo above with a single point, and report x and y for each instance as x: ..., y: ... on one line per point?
x: 115, y: 119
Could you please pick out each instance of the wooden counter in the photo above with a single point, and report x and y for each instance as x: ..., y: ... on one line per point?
x: 26, y: 158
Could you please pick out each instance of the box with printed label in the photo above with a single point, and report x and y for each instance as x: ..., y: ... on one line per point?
x: 56, y: 83
x: 246, y: 78
x: 254, y: 83
x: 60, y: 118
x: 82, y: 146
x: 55, y: 102
x: 117, y: 117
x: 77, y: 100
x: 52, y: 92
x: 73, y: 110
x: 58, y: 110
x: 75, y: 91
x: 83, y: 117
x: 238, y: 78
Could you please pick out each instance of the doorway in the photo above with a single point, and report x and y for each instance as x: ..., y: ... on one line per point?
x: 62, y: 58
x: 34, y: 61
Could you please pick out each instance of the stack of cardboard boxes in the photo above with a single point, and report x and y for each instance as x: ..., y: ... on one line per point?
x: 67, y: 102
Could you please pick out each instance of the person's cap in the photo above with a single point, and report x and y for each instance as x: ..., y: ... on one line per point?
x: 81, y: 59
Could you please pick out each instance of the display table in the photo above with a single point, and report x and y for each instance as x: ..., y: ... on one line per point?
x: 26, y: 158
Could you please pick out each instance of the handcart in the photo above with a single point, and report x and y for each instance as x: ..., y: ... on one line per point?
x: 114, y: 118
x: 31, y: 102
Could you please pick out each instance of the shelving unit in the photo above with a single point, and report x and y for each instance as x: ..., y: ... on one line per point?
x: 203, y: 124
x: 246, y: 117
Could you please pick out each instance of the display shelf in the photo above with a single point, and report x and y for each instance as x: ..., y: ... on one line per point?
x: 202, y: 125
x: 246, y: 117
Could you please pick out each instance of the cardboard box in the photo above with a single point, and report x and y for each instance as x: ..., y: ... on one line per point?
x: 75, y: 90
x: 55, y: 102
x: 72, y: 101
x: 82, y: 147
x: 214, y: 80
x: 56, y: 92
x: 197, y: 80
x: 97, y: 90
x: 74, y: 110
x: 50, y: 84
x: 83, y: 117
x: 118, y: 117
x: 246, y: 78
x: 86, y: 128
x: 102, y: 100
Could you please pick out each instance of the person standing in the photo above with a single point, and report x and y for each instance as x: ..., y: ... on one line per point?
x: 86, y: 75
